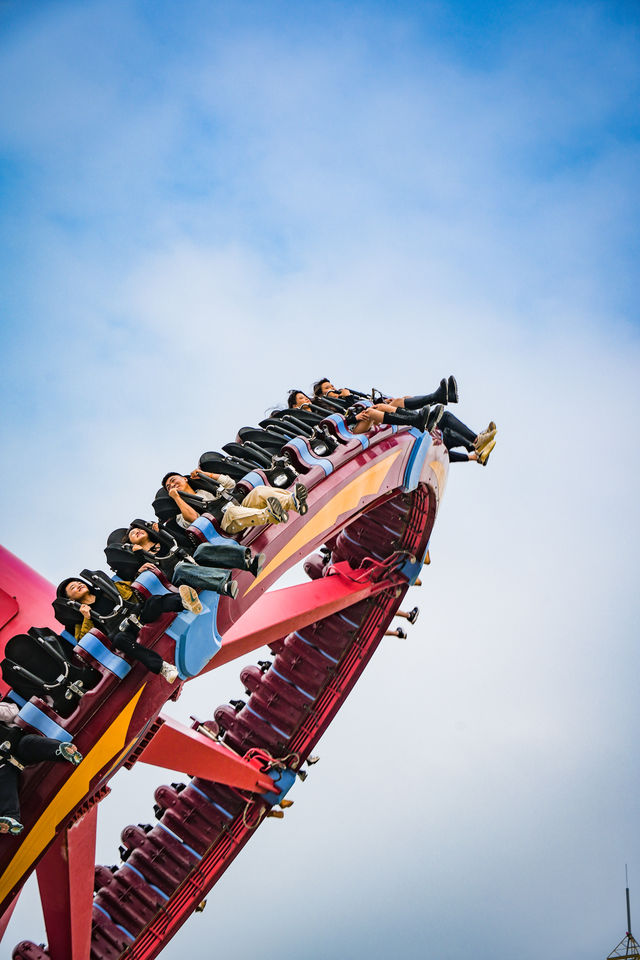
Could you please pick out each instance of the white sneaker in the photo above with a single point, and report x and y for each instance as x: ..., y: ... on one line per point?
x: 9, y: 825
x: 169, y: 672
x: 69, y: 751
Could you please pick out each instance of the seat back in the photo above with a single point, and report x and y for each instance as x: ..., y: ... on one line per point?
x: 215, y: 462
x: 271, y: 442
x: 40, y: 664
x: 123, y: 561
x: 281, y: 427
x: 37, y: 657
x: 249, y: 453
x: 166, y: 509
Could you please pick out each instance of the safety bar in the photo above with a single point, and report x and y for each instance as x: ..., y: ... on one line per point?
x: 34, y: 678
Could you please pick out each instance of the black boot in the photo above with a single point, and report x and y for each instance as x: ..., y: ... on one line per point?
x: 408, y: 418
x: 255, y: 564
x: 441, y: 395
x: 350, y: 417
x: 433, y: 418
x: 452, y: 390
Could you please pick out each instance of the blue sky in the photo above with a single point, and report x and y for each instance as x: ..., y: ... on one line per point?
x: 206, y: 204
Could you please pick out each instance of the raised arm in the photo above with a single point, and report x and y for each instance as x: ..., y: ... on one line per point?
x: 187, y: 513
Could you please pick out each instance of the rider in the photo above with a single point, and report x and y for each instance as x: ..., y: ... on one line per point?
x: 263, y: 505
x: 298, y: 400
x: 425, y: 417
x: 455, y: 432
x: 17, y: 749
x: 88, y: 599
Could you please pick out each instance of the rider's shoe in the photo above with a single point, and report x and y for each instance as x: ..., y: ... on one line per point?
x: 190, y: 599
x: 484, y: 454
x: 276, y: 511
x: 69, y: 751
x: 11, y: 826
x: 230, y: 589
x: 169, y: 671
x: 300, y: 497
x: 485, y: 437
x: 433, y: 419
x: 412, y: 616
x: 256, y: 563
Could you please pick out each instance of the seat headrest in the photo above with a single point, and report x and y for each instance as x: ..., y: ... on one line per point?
x: 117, y: 536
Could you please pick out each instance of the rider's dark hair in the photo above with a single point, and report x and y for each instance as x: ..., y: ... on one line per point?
x: 317, y: 387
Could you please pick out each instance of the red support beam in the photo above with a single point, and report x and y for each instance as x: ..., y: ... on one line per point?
x: 279, y: 612
x: 25, y: 599
x: 65, y: 878
x: 176, y: 747
x: 6, y: 916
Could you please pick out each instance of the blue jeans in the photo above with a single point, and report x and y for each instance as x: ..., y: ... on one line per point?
x: 224, y: 553
x: 200, y: 578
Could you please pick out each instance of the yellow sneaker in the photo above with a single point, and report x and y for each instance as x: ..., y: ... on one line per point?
x: 190, y: 599
x: 485, y: 437
x: 484, y: 454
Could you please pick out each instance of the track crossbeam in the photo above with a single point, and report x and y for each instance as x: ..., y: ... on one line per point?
x: 177, y: 747
x: 280, y: 612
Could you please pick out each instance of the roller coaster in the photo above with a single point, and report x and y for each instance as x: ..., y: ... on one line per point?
x: 372, y: 502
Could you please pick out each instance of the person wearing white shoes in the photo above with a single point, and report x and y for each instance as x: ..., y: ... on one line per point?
x: 80, y: 605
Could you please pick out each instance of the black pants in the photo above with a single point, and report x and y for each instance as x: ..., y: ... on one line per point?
x: 153, y: 608
x: 455, y: 433
x: 30, y: 749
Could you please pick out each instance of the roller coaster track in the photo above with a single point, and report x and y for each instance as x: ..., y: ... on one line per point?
x: 373, y: 502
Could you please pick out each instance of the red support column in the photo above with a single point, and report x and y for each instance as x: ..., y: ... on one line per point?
x: 176, y: 747
x: 6, y: 916
x: 25, y: 599
x: 65, y: 878
x: 279, y: 612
